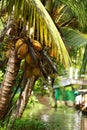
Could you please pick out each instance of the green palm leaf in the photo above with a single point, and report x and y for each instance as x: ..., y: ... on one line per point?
x: 79, y: 7
x: 84, y: 62
x: 34, y: 13
x: 73, y: 37
x: 76, y: 40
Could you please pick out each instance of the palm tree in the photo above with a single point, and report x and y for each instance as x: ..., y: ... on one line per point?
x: 23, y: 100
x: 8, y: 82
x: 70, y: 17
x: 79, y: 9
x: 31, y: 14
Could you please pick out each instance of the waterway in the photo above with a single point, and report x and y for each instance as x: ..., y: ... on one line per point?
x: 63, y: 119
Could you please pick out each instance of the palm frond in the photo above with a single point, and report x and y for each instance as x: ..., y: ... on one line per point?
x: 73, y: 37
x: 56, y: 40
x: 84, y: 62
x: 79, y: 7
x: 34, y: 13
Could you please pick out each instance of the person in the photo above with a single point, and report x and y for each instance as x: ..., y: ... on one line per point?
x: 84, y: 107
x: 79, y: 99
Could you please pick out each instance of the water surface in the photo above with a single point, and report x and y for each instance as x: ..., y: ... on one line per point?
x: 63, y: 119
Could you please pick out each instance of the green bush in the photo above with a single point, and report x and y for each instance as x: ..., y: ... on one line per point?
x: 33, y: 124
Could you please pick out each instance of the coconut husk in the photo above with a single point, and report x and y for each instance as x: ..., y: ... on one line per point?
x: 28, y: 72
x: 37, y: 45
x: 29, y: 59
x: 18, y: 43
x: 36, y: 72
x: 22, y: 51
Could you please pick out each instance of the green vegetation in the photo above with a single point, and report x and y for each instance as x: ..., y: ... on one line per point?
x: 1, y: 76
x: 39, y: 41
x: 29, y: 119
x: 33, y: 124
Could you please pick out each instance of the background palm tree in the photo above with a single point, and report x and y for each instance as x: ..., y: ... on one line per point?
x: 70, y: 17
x: 79, y: 9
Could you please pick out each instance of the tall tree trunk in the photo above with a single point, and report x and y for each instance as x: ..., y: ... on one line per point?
x: 22, y: 101
x: 24, y: 97
x: 8, y: 82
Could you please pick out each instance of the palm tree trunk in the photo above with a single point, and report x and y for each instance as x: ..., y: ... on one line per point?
x: 8, y: 82
x: 24, y: 97
x: 22, y: 101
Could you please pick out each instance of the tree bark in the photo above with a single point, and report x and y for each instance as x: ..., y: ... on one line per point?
x: 8, y: 82
x: 24, y: 97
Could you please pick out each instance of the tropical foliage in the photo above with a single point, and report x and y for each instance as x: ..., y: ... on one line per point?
x: 71, y: 22
x: 32, y: 37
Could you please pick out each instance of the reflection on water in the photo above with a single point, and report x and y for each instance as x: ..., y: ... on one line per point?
x: 84, y: 123
x: 64, y: 119
x: 45, y: 117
